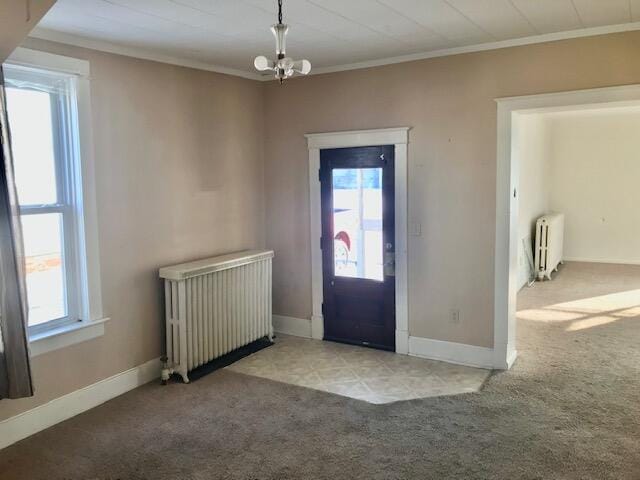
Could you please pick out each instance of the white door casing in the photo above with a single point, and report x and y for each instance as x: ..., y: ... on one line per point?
x: 399, y: 137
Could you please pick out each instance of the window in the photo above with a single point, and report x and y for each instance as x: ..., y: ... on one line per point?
x: 357, y: 223
x: 42, y: 107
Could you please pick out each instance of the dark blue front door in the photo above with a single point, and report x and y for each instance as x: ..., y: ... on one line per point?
x: 358, y: 245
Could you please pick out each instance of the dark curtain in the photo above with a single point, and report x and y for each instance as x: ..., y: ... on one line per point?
x: 15, y: 371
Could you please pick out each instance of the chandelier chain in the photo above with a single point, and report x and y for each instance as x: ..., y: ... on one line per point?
x: 280, y: 11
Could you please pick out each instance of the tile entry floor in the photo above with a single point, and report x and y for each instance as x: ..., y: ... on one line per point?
x: 362, y: 373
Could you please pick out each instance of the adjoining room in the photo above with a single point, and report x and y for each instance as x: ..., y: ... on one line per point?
x: 579, y: 225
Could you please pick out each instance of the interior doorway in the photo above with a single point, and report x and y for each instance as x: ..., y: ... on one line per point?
x: 511, y: 149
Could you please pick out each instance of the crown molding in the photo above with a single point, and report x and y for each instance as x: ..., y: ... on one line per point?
x: 482, y: 47
x: 103, y: 46
x: 135, y: 52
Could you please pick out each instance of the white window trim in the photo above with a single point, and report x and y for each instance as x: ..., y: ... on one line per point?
x: 399, y: 138
x: 64, y: 336
x: 92, y: 319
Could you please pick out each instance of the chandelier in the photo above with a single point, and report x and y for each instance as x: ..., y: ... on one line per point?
x: 284, y: 67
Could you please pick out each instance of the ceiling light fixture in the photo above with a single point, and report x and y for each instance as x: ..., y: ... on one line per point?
x: 284, y: 67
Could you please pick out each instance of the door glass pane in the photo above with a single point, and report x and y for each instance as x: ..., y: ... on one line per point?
x: 45, y: 267
x: 357, y: 223
x: 31, y: 127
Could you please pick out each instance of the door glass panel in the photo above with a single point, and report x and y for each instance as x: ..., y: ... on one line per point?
x: 357, y: 223
x: 45, y: 267
x: 30, y: 121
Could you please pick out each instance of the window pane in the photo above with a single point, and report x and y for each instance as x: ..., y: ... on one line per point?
x: 357, y: 223
x: 32, y: 141
x: 45, y: 267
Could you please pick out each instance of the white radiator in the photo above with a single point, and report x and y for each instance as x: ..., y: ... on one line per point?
x: 549, y: 244
x: 214, y: 306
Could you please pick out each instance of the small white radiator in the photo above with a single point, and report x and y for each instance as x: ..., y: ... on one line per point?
x: 214, y: 306
x: 549, y: 244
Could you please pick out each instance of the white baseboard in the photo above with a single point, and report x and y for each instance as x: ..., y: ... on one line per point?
x: 615, y: 261
x: 44, y: 416
x: 502, y: 361
x: 298, y: 327
x: 459, y: 353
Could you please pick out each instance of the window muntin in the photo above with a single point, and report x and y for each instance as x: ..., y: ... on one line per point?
x: 41, y: 109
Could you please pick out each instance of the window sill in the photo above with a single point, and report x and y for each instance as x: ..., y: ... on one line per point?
x: 65, y: 336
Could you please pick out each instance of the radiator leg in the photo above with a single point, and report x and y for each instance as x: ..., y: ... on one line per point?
x: 184, y: 376
x: 166, y: 373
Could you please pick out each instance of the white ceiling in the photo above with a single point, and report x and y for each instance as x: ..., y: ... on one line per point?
x: 226, y: 35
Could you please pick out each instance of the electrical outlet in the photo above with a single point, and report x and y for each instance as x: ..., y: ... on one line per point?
x: 455, y: 316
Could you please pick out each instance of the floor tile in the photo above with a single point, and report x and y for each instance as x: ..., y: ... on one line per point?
x: 365, y: 374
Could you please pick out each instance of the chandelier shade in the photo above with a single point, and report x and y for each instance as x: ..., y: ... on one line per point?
x: 283, y: 67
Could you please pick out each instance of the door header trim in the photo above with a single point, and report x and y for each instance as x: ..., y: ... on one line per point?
x: 358, y: 138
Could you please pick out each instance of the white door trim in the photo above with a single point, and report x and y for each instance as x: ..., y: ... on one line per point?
x: 399, y: 137
x: 506, y: 262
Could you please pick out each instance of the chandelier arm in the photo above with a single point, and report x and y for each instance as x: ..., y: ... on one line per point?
x: 284, y: 67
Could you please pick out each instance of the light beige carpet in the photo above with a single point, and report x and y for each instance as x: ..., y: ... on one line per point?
x: 569, y: 409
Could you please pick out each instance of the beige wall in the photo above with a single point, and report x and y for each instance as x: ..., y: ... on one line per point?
x: 532, y: 146
x: 179, y: 173
x: 17, y: 18
x: 188, y: 162
x: 595, y: 172
x: 449, y: 104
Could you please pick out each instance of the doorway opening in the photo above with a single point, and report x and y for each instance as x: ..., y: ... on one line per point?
x: 564, y: 153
